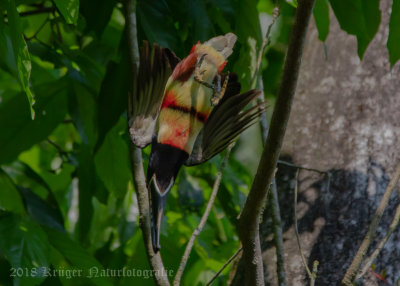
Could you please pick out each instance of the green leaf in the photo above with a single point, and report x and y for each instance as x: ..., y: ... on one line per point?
x: 112, y: 161
x: 248, y: 30
x: 155, y: 20
x: 202, y: 27
x: 84, y: 113
x: 25, y: 245
x: 69, y: 9
x: 247, y: 22
x: 97, y: 19
x: 360, y: 18
x: 87, y: 186
x: 393, y: 43
x: 77, y: 256
x: 113, y: 96
x: 18, y: 132
x: 21, y: 53
x: 321, y: 16
x: 25, y: 176
x: 41, y: 211
x: 292, y: 3
x: 10, y: 199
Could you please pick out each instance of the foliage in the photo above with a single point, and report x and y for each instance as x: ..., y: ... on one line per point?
x: 66, y: 194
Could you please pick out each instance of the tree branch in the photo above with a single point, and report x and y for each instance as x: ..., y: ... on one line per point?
x: 278, y: 237
x: 374, y: 255
x: 274, y: 203
x: 203, y: 220
x: 249, y: 220
x: 369, y: 237
x: 139, y: 178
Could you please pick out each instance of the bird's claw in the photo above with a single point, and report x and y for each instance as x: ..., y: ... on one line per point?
x: 218, y: 90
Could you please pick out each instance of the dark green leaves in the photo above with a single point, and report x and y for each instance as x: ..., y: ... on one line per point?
x: 113, y: 96
x: 69, y: 9
x: 97, y: 19
x: 155, y: 18
x: 321, y: 16
x: 77, y: 256
x: 203, y: 28
x: 21, y: 54
x: 18, y: 132
x: 393, y: 43
x: 25, y: 245
x: 360, y: 18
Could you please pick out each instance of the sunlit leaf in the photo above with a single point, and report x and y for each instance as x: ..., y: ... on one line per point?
x: 21, y: 53
x: 69, y: 9
x: 10, y: 199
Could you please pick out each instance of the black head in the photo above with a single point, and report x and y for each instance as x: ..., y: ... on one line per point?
x: 165, y: 162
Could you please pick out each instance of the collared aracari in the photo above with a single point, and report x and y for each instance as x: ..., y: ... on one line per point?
x: 188, y: 109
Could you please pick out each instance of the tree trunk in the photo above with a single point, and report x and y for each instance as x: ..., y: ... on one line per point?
x: 345, y: 120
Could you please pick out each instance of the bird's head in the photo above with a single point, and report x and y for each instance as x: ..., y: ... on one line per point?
x: 164, y: 164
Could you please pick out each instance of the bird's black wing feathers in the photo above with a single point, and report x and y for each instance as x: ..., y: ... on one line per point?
x: 156, y: 65
x: 227, y: 121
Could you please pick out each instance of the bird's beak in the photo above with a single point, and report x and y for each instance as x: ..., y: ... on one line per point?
x: 158, y: 200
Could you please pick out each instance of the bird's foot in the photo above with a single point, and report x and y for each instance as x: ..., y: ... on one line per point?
x: 218, y: 91
x: 198, y: 75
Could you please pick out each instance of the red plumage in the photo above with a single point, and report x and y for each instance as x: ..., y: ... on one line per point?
x: 185, y: 68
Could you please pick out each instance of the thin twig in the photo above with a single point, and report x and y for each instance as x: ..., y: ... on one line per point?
x: 266, y: 41
x: 57, y: 24
x: 224, y: 266
x: 369, y: 237
x: 58, y: 147
x: 314, y: 272
x: 38, y: 11
x: 327, y: 173
x: 139, y: 178
x: 303, y: 259
x: 281, y: 162
x: 43, y: 10
x: 38, y: 30
x: 248, y: 226
x: 203, y: 220
x: 374, y: 255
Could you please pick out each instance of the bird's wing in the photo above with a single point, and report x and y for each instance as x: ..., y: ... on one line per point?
x: 227, y: 121
x: 156, y: 65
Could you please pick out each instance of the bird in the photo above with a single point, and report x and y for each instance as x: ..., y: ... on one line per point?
x: 188, y: 110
